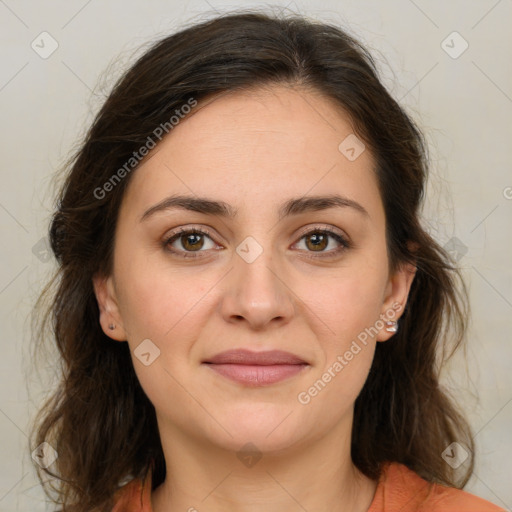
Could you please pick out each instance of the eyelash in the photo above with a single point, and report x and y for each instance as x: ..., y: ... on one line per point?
x: 345, y: 244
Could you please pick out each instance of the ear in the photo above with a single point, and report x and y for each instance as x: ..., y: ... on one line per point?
x: 109, y: 312
x: 396, y: 294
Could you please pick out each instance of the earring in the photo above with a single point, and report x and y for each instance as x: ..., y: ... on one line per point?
x: 111, y: 327
x: 392, y: 326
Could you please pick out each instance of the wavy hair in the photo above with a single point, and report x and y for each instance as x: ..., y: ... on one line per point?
x: 98, y: 418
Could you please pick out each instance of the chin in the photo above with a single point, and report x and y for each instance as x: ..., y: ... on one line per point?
x: 255, y: 443
x: 268, y: 426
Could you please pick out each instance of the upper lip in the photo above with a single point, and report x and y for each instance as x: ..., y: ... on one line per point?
x: 243, y: 356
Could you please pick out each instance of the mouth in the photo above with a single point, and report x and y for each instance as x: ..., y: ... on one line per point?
x: 255, y: 369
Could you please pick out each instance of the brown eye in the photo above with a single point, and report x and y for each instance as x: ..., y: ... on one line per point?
x: 187, y: 241
x: 192, y: 241
x: 317, y: 241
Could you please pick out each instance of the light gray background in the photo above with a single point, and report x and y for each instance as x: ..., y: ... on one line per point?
x: 464, y: 104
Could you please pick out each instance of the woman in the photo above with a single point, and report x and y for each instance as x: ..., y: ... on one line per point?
x: 249, y: 312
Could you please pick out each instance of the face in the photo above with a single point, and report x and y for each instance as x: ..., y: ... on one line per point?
x: 275, y: 271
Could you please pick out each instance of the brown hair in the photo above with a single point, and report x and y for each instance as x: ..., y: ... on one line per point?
x: 99, y: 420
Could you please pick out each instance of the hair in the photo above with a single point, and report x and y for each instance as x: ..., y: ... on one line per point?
x: 99, y: 419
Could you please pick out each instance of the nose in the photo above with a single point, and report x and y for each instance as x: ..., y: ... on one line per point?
x: 258, y: 293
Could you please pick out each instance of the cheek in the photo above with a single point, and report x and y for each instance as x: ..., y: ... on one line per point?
x: 154, y: 301
x: 346, y: 311
x: 336, y: 388
x: 348, y: 301
x: 360, y: 303
x: 350, y: 309
x: 166, y: 308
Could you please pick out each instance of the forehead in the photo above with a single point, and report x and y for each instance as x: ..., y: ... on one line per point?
x: 258, y: 146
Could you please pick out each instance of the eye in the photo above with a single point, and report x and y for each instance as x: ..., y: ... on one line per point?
x: 191, y: 240
x: 318, y: 239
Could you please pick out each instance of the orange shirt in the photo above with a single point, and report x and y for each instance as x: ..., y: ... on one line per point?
x: 399, y: 490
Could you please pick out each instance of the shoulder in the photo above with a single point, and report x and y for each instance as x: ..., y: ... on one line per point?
x: 127, y: 497
x: 134, y: 496
x: 400, y: 488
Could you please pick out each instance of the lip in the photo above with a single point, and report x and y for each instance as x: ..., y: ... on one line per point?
x: 249, y: 357
x: 256, y: 368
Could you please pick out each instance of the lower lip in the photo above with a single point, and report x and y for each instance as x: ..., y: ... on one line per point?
x: 257, y: 375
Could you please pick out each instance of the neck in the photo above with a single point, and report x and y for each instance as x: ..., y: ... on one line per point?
x: 201, y: 476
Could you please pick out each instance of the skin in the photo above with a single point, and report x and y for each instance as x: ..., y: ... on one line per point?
x: 253, y: 150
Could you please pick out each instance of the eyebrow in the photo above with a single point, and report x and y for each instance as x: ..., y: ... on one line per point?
x: 293, y: 206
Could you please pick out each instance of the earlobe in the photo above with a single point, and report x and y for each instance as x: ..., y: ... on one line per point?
x: 397, y: 292
x: 109, y: 315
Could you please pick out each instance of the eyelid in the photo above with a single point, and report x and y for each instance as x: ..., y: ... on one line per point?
x: 326, y: 228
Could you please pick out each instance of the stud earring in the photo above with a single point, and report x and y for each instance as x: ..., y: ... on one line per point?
x: 111, y: 327
x: 392, y: 326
